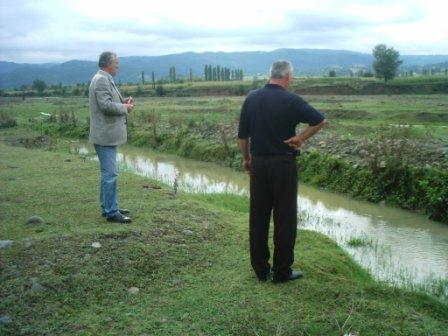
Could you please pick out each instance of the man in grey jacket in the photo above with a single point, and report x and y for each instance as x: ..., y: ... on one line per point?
x: 108, y: 129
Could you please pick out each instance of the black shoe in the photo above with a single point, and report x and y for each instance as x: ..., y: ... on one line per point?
x: 293, y: 276
x: 119, y: 218
x: 265, y: 277
x: 122, y: 211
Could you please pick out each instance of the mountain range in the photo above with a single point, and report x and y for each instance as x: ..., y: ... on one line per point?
x: 305, y: 61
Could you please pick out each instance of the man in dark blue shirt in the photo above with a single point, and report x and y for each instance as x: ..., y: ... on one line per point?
x: 269, y: 117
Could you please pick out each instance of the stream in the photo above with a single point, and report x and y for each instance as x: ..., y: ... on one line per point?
x: 397, y: 246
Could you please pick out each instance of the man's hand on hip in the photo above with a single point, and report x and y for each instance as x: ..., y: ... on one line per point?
x: 295, y: 142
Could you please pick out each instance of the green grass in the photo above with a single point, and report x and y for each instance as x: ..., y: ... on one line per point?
x: 358, y: 242
x: 427, y: 112
x: 313, y: 85
x: 204, y: 128
x: 190, y: 284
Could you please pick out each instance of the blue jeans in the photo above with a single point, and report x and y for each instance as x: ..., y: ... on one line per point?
x: 107, y: 156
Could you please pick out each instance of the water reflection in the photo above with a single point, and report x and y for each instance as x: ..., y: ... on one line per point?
x: 391, y: 250
x: 189, y: 180
x: 394, y: 245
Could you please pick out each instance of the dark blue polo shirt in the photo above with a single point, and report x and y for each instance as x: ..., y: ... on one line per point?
x: 270, y: 115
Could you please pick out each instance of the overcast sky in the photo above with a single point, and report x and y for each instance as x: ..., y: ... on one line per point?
x: 59, y: 30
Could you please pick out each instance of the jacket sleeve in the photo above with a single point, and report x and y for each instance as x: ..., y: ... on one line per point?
x: 105, y: 99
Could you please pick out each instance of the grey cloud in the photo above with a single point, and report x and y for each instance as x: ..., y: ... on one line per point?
x: 28, y: 33
x: 295, y: 21
x: 316, y: 22
x: 20, y: 21
x: 168, y: 29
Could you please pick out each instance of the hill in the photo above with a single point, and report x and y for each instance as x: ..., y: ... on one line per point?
x: 306, y: 61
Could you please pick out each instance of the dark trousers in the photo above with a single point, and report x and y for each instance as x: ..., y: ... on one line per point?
x: 273, y: 187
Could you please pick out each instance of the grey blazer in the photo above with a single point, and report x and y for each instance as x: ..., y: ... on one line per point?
x: 108, y: 114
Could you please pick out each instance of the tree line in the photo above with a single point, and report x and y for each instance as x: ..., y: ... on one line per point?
x: 219, y: 73
x: 386, y: 63
x: 385, y: 66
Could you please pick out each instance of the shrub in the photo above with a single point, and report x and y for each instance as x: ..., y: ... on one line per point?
x: 405, y: 186
x: 6, y: 120
x: 160, y: 91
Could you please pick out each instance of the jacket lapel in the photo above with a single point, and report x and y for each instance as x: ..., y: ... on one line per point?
x: 103, y: 73
x: 116, y: 89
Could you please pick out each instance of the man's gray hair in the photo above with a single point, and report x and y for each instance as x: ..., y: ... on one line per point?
x: 106, y: 59
x: 281, y: 69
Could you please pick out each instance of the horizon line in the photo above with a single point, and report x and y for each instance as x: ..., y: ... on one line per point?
x: 224, y: 52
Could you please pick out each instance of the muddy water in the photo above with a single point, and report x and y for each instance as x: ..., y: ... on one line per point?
x: 394, y: 245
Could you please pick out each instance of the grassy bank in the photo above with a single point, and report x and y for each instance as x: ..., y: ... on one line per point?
x: 304, y: 85
x: 434, y: 84
x: 351, y: 117
x: 402, y: 166
x: 188, y: 255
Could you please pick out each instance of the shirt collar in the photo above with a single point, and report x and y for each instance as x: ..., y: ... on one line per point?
x: 108, y: 75
x: 274, y: 86
x: 111, y: 78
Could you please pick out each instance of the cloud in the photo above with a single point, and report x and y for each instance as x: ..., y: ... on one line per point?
x: 17, y: 19
x: 51, y: 30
